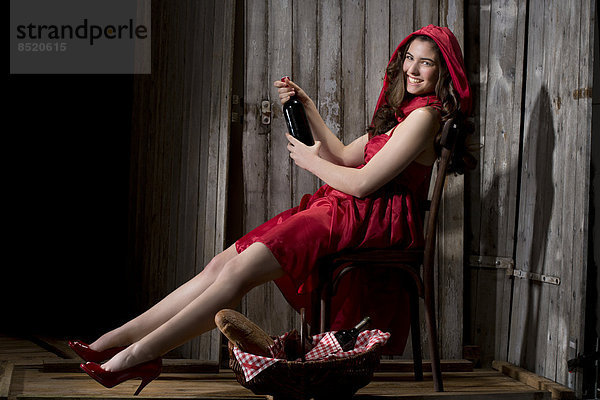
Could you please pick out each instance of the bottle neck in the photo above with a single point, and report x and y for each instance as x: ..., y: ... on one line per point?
x: 362, y: 324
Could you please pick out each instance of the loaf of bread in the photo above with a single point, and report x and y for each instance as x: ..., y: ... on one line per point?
x: 243, y: 333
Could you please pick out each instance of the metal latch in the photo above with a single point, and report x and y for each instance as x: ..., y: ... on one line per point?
x: 265, y: 112
x: 491, y: 262
x: 509, y: 265
x: 553, y: 280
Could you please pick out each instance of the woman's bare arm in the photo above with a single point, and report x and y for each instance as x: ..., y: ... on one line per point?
x: 410, y: 139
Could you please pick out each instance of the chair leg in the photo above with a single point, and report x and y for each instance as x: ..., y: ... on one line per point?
x: 315, y: 320
x: 325, y: 308
x: 433, y: 344
x: 324, y: 297
x: 415, y: 330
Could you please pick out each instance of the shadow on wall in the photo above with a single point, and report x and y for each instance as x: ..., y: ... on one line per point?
x: 493, y: 283
x: 538, y: 149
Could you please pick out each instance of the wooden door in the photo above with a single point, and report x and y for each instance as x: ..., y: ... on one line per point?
x: 336, y: 50
x: 494, y: 58
x: 528, y: 209
x: 548, y: 316
x: 179, y: 153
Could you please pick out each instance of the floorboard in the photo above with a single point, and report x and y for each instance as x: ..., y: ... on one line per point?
x: 36, y: 372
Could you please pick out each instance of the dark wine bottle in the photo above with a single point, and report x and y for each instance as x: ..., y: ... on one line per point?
x: 296, y: 121
x: 347, y: 338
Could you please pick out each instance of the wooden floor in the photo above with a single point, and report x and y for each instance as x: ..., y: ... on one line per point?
x: 46, y: 369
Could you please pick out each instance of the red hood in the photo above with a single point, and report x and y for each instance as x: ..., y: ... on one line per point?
x: 452, y: 54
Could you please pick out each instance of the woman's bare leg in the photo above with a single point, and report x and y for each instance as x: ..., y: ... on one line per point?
x: 255, y: 266
x: 164, y: 310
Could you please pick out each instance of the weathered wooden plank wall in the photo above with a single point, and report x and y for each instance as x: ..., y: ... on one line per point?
x: 337, y: 51
x: 531, y: 64
x: 496, y: 37
x: 180, y: 151
x: 548, y: 324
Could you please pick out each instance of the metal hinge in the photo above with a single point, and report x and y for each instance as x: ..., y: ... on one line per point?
x: 265, y: 112
x: 509, y: 265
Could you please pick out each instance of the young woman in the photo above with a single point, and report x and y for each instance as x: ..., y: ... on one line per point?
x: 371, y: 198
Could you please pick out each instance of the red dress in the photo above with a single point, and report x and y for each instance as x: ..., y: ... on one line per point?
x: 330, y: 221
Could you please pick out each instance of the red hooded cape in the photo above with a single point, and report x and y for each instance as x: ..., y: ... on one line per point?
x: 450, y: 48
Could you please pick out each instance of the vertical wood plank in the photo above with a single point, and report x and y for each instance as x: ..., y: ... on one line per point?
x: 213, y: 143
x: 157, y: 162
x: 477, y: 39
x: 304, y: 66
x: 212, y: 180
x: 205, y: 114
x: 202, y: 346
x: 223, y: 125
x: 377, y: 55
x: 255, y: 134
x: 198, y: 74
x: 579, y: 109
x: 330, y: 47
x: 476, y: 56
x: 450, y: 268
x: 174, y: 136
x: 255, y: 142
x: 559, y: 247
x: 167, y: 126
x: 279, y: 64
x: 452, y: 15
x: 426, y: 12
x: 451, y: 231
x: 180, y: 229
x: 402, y: 22
x: 225, y: 122
x: 583, y: 149
x: 353, y: 71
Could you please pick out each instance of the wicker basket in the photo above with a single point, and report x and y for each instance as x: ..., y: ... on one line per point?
x: 326, y: 379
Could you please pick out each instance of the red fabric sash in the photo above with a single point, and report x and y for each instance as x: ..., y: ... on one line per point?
x: 411, y: 104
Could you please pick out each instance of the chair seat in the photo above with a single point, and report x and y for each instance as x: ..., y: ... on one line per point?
x: 409, y: 261
x: 381, y: 256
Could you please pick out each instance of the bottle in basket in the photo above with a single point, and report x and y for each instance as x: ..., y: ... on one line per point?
x: 347, y: 338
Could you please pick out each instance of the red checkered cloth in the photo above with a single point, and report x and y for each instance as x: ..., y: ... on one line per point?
x: 325, y: 347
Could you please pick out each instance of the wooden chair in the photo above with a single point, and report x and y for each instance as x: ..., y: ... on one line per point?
x: 417, y: 264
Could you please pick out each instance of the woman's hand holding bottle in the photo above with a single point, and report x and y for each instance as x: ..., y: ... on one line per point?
x: 287, y: 88
x: 304, y: 156
x: 294, y: 112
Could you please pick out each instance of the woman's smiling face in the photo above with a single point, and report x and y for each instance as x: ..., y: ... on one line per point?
x: 421, y: 67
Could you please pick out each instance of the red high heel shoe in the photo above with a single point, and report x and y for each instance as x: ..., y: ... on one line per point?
x: 84, y: 351
x: 147, y: 372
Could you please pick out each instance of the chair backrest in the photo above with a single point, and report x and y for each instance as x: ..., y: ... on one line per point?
x: 450, y: 134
